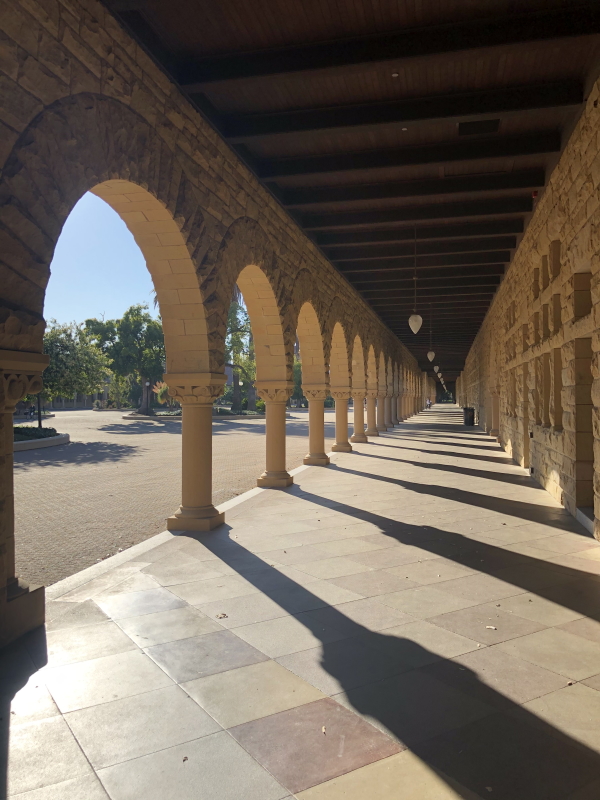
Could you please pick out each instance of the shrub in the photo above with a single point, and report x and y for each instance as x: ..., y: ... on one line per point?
x: 260, y: 406
x: 25, y: 433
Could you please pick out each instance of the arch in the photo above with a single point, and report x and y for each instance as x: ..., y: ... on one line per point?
x: 311, y: 347
x: 372, y: 369
x: 359, y: 382
x: 339, y: 366
x: 40, y: 185
x: 382, y: 381
x: 265, y: 320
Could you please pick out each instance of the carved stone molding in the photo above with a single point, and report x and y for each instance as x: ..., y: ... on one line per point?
x: 340, y: 394
x: 20, y: 375
x: 373, y: 393
x: 315, y: 393
x: 359, y: 396
x: 274, y: 391
x: 198, y: 389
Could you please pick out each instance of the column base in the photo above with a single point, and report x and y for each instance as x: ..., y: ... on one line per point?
x: 381, y: 428
x: 359, y: 437
x: 195, y: 519
x: 23, y: 613
x: 494, y: 433
x: 372, y: 432
x: 318, y: 460
x: 342, y: 448
x: 274, y: 480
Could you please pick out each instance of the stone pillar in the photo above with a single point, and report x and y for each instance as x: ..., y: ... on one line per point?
x: 22, y: 608
x: 275, y: 395
x: 387, y: 412
x: 359, y: 434
x: 400, y: 411
x: 495, y: 431
x: 381, y: 426
x: 372, y: 413
x: 342, y: 445
x: 196, y: 392
x: 394, y: 409
x: 316, y: 396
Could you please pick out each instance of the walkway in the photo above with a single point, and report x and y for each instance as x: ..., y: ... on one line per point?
x: 418, y: 621
x: 118, y: 480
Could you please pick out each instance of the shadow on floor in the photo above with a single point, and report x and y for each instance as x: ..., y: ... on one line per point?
x: 74, y: 453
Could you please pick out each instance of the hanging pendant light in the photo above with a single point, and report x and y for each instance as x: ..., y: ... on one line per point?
x: 430, y: 354
x: 436, y: 369
x: 415, y: 320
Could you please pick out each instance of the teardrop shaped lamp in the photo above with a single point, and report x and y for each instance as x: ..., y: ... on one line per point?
x: 431, y: 355
x: 436, y: 369
x: 414, y: 322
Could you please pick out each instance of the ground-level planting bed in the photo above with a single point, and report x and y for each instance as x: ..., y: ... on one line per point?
x: 25, y: 433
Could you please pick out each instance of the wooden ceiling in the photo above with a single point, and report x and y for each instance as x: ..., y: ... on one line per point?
x: 399, y: 134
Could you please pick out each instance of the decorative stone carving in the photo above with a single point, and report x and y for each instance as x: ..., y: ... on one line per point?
x: 201, y: 388
x: 274, y: 391
x: 315, y: 392
x: 340, y: 394
x: 372, y: 393
x: 20, y: 375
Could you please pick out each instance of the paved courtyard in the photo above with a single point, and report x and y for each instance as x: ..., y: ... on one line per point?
x: 118, y: 480
x: 418, y: 621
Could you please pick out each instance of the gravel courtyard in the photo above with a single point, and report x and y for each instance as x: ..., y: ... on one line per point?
x: 118, y: 480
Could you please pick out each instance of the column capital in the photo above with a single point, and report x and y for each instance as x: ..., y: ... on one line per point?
x: 315, y: 391
x: 340, y: 394
x: 195, y: 388
x: 359, y: 394
x: 274, y: 391
x: 20, y: 374
x: 372, y: 393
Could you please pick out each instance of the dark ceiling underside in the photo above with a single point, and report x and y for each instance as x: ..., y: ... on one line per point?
x: 397, y: 134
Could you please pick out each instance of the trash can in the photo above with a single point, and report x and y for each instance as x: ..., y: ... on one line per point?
x: 469, y: 415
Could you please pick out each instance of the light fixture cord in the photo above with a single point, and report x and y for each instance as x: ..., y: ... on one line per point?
x: 415, y: 265
x: 430, y: 326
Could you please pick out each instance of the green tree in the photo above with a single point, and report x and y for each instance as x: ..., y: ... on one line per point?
x: 135, y: 345
x: 77, y: 365
x: 238, y: 353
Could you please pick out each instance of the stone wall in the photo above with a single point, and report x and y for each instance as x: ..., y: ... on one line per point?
x: 538, y: 346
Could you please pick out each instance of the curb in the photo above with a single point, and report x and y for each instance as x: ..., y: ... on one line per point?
x: 36, y: 444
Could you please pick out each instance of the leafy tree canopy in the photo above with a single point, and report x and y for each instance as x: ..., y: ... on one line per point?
x: 77, y: 365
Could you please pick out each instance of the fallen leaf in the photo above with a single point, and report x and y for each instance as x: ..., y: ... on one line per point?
x: 185, y: 758
x: 491, y: 627
x: 323, y: 730
x: 221, y: 616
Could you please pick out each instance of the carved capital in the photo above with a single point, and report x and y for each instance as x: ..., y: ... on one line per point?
x: 315, y: 392
x: 195, y: 388
x: 372, y: 393
x: 274, y: 391
x: 359, y: 396
x: 340, y: 394
x: 20, y: 375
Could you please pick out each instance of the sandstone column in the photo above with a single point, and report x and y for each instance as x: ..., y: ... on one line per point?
x: 372, y: 413
x: 342, y: 445
x: 400, y: 411
x: 22, y: 608
x: 381, y: 426
x: 275, y: 394
x: 196, y: 392
x: 394, y: 409
x: 387, y: 411
x: 359, y: 419
x: 316, y: 396
x: 495, y: 431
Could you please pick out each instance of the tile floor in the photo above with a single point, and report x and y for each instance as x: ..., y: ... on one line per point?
x: 419, y: 621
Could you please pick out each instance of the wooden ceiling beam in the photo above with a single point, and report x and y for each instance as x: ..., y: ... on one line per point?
x: 363, y: 280
x: 578, y: 19
x: 300, y: 197
x: 408, y: 262
x: 368, y: 252
x: 496, y: 101
x: 424, y: 232
x: 438, y: 153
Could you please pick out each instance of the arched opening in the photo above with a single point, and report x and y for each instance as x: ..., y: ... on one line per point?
x: 339, y: 367
x: 372, y: 383
x: 359, y: 382
x: 315, y: 382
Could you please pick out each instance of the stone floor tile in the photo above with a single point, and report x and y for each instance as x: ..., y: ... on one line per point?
x: 212, y: 767
x: 88, y: 683
x: 243, y: 610
x: 575, y: 565
x: 136, y: 604
x: 271, y: 579
x: 574, y: 710
x: 167, y: 626
x: 317, y: 594
x: 401, y: 554
x: 359, y: 616
x: 593, y: 682
x: 103, y: 582
x: 538, y: 609
x: 207, y: 591
x: 42, y: 753
x: 294, y: 554
x: 516, y: 756
x: 28, y: 702
x: 564, y: 543
x: 342, y: 665
x: 73, y: 615
x: 247, y: 693
x: 312, y: 743
x: 418, y: 643
x: 278, y: 637
x: 486, y: 624
x: 381, y: 780
x: 135, y: 726
x: 344, y: 547
x: 559, y: 651
x: 139, y: 582
x: 425, y: 601
x: 585, y: 627
x: 83, y: 643
x: 84, y: 788
x: 496, y: 678
x: 480, y: 588
x: 181, y: 568
x: 197, y: 656
x: 332, y: 567
x: 432, y: 571
x: 370, y: 584
x: 412, y: 707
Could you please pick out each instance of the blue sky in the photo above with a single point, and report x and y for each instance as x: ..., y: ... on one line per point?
x: 98, y: 269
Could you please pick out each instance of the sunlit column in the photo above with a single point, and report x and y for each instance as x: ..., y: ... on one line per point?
x: 196, y: 393
x: 359, y: 434
x: 342, y: 445
x: 400, y: 411
x: 495, y: 414
x: 394, y: 409
x: 275, y: 395
x: 387, y: 412
x: 316, y: 397
x: 381, y: 426
x: 372, y: 413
